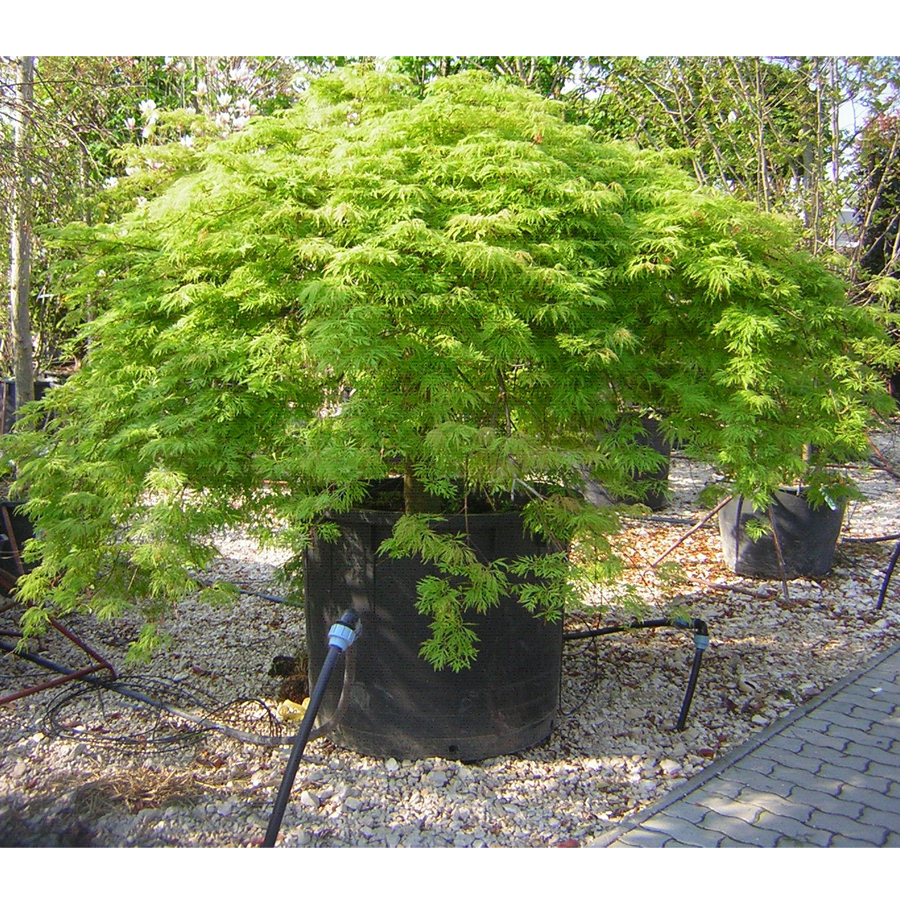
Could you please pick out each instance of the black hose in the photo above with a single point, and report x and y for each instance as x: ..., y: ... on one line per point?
x: 887, y: 577
x: 701, y: 642
x: 615, y: 629
x: 336, y: 648
x: 273, y: 597
x: 848, y: 539
x: 202, y: 722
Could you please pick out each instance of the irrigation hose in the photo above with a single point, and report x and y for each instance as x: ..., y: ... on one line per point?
x: 200, y: 721
x: 701, y: 642
x: 887, y: 576
x: 616, y: 629
x: 341, y: 636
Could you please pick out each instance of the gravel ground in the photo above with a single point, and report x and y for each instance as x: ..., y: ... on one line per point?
x: 68, y: 779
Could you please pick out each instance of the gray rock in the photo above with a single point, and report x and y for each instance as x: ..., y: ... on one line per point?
x: 436, y: 778
x: 310, y: 800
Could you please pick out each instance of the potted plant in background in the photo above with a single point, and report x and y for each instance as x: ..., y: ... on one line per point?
x: 789, y: 539
x: 446, y: 302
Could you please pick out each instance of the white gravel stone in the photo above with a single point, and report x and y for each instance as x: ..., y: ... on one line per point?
x: 310, y: 800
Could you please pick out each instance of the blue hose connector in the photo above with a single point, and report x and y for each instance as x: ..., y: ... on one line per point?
x: 341, y: 636
x: 701, y: 641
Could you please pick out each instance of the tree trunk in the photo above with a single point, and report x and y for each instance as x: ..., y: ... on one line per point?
x: 415, y: 498
x: 89, y: 311
x: 20, y: 242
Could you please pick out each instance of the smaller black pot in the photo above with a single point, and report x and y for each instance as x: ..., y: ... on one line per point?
x: 15, y: 529
x: 657, y: 481
x: 807, y: 537
x: 8, y: 399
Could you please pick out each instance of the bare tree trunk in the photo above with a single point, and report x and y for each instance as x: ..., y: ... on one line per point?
x: 89, y: 311
x: 20, y: 242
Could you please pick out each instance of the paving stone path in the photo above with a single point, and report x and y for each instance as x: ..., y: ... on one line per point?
x: 827, y: 775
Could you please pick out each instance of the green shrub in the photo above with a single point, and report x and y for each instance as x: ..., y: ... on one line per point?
x: 463, y: 289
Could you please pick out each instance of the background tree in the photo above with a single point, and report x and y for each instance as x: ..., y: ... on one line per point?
x: 879, y: 214
x: 95, y: 120
x: 20, y: 216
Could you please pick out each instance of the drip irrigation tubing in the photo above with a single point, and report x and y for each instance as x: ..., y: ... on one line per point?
x: 887, y: 576
x: 204, y: 723
x: 272, y: 597
x: 701, y: 642
x: 247, y: 592
x: 342, y: 635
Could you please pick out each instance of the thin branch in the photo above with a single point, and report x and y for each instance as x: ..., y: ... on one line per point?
x: 686, y: 535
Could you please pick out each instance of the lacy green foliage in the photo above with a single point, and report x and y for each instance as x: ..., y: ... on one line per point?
x: 464, y: 287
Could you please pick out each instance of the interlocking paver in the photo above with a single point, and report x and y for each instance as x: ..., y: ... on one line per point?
x: 775, y: 805
x: 791, y: 828
x: 838, y: 758
x: 791, y: 743
x: 833, y: 717
x: 874, y: 754
x: 889, y: 730
x: 883, y: 775
x: 690, y: 812
x: 864, y: 708
x: 810, y: 724
x: 814, y: 800
x: 873, y: 799
x: 681, y: 830
x: 758, y: 781
x: 726, y: 787
x: 878, y: 817
x: 850, y: 828
x: 840, y: 840
x: 640, y: 838
x: 820, y: 738
x: 739, y: 830
x: 863, y: 690
x: 854, y: 734
x: 846, y: 734
x: 841, y: 775
x: 869, y: 739
x: 791, y: 760
x: 726, y: 806
x: 825, y: 780
x: 755, y: 763
x: 790, y: 842
x: 828, y: 775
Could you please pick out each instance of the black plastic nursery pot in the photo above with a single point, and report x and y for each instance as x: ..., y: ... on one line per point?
x: 656, y: 480
x: 15, y: 529
x: 8, y: 399
x: 400, y: 706
x: 807, y: 537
